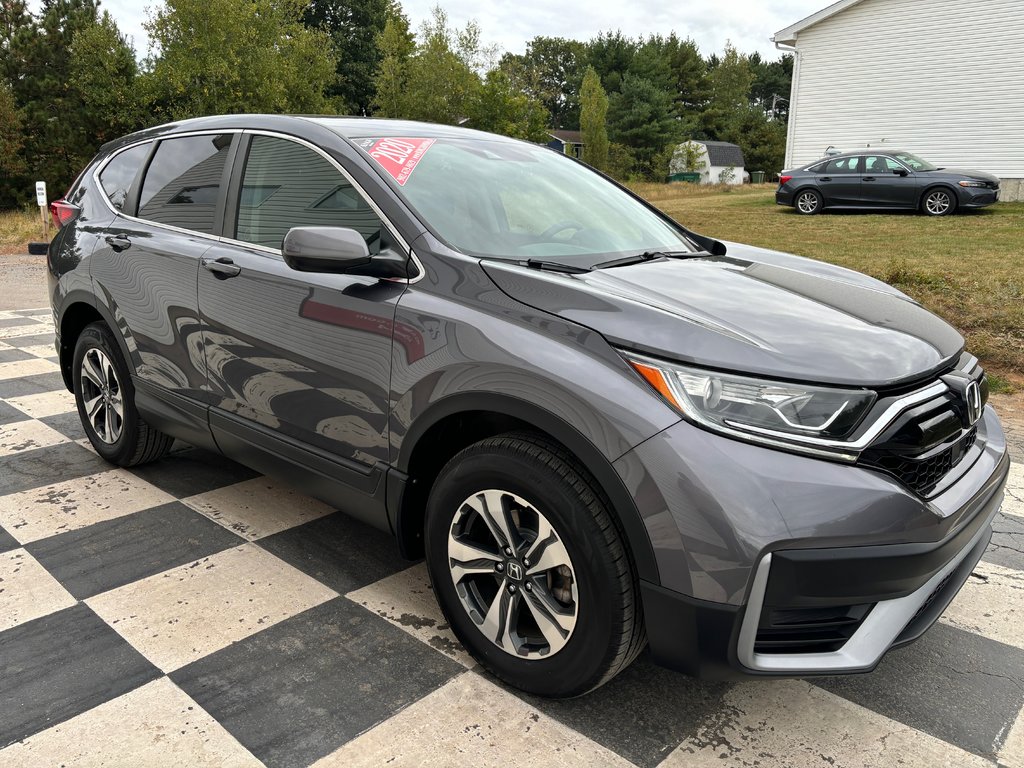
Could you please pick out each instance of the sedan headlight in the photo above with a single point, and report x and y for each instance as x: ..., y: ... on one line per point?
x: 982, y: 184
x: 801, y: 417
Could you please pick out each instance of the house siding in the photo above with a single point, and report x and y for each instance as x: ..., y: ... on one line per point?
x: 943, y: 79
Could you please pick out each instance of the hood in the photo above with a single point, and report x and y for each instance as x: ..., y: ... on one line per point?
x: 980, y: 175
x: 750, y: 311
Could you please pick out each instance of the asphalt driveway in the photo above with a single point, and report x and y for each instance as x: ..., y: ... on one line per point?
x: 192, y: 612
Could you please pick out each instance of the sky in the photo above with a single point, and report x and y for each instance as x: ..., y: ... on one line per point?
x: 747, y: 23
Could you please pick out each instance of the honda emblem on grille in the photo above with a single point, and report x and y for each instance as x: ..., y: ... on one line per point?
x: 972, y: 397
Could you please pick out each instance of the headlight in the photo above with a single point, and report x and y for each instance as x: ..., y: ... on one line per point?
x: 801, y: 417
x: 981, y: 184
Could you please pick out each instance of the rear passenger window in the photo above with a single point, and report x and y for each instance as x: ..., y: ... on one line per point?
x: 182, y: 183
x: 288, y: 185
x: 842, y: 165
x: 119, y: 173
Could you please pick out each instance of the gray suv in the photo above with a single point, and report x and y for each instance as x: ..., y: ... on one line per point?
x: 602, y: 430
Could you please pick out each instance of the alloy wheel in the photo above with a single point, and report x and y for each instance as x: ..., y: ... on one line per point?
x: 807, y: 202
x: 513, y: 574
x: 101, y: 396
x: 938, y: 202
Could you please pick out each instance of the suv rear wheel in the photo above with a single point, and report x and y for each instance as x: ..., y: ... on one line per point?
x: 106, y: 402
x: 529, y: 567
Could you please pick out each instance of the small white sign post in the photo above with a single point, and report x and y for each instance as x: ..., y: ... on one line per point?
x: 41, y: 202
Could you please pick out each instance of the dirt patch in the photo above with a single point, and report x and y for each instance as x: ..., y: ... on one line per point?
x: 23, y: 282
x: 1011, y: 412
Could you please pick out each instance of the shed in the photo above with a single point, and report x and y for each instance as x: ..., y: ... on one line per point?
x: 569, y: 142
x: 942, y: 79
x: 720, y: 162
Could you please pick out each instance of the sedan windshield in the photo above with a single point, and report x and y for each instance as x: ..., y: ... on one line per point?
x: 914, y: 162
x: 518, y: 201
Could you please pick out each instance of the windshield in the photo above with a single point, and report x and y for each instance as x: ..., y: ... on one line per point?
x: 914, y: 162
x: 518, y: 201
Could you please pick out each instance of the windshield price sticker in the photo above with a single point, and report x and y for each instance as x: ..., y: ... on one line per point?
x: 397, y: 156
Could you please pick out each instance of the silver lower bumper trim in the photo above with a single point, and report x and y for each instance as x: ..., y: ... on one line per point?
x: 862, y: 651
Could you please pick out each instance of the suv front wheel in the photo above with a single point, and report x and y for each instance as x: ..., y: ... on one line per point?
x: 529, y: 567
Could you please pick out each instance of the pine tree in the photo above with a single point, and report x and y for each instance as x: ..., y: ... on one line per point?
x: 593, y: 116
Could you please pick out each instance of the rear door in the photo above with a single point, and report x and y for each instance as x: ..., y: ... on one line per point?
x: 297, y: 358
x: 839, y: 181
x: 882, y: 183
x: 146, y: 267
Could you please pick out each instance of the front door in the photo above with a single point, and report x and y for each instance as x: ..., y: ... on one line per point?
x: 888, y: 184
x: 298, y: 356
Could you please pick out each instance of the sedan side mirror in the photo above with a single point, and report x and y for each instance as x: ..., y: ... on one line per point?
x: 901, y: 172
x: 338, y: 250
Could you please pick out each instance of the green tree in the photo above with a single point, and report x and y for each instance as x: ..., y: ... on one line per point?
x: 103, y: 72
x: 237, y: 56
x: 12, y: 164
x: 441, y: 82
x: 353, y: 26
x: 501, y: 108
x: 611, y: 54
x: 771, y: 85
x: 593, y: 120
x: 730, y: 82
x: 38, y: 59
x: 641, y: 116
x: 396, y: 43
x: 554, y: 66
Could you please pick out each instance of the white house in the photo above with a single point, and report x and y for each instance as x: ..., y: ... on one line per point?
x: 943, y: 79
x: 720, y: 162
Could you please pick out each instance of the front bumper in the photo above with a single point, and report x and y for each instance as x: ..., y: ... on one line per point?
x: 876, y: 569
x: 973, y: 197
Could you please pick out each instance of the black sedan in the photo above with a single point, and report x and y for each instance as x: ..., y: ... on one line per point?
x: 889, y: 179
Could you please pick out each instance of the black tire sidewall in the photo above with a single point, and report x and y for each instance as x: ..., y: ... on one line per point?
x: 578, y: 666
x: 98, y: 336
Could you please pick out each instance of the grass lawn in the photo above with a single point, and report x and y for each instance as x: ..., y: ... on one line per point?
x: 967, y: 268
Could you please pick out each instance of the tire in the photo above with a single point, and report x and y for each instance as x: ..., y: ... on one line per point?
x: 104, y: 383
x: 581, y: 578
x: 808, y: 202
x: 938, y: 201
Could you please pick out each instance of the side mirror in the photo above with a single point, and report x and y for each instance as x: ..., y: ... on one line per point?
x: 901, y: 172
x: 338, y: 250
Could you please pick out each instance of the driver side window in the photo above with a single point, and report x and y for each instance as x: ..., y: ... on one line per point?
x: 288, y: 185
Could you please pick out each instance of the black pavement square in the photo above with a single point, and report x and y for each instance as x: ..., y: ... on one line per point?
x: 957, y: 686
x: 7, y: 542
x: 31, y: 385
x: 61, y: 665
x: 68, y: 424
x: 42, y: 466
x: 192, y: 471
x: 13, y: 355
x: 10, y: 414
x: 14, y: 322
x: 113, y: 553
x: 300, y: 689
x: 643, y: 714
x: 338, y: 551
x: 43, y: 337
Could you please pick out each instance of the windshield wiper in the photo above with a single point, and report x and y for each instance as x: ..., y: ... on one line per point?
x: 650, y: 256
x: 554, y: 266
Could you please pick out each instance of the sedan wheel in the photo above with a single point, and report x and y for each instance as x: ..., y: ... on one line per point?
x: 939, y: 202
x: 808, y: 202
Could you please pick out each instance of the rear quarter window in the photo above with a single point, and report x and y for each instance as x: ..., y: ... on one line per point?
x: 117, y: 176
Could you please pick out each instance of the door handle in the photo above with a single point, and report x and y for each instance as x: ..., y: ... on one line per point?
x: 222, y: 268
x: 118, y: 242
x: 825, y: 178
x: 869, y: 178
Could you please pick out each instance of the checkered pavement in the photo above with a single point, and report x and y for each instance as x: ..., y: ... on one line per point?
x: 193, y: 612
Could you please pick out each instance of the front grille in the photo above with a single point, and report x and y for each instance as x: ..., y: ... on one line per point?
x: 922, y: 475
x: 808, y: 630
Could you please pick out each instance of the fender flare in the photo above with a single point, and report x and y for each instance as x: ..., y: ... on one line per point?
x: 600, y: 466
x: 81, y: 296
